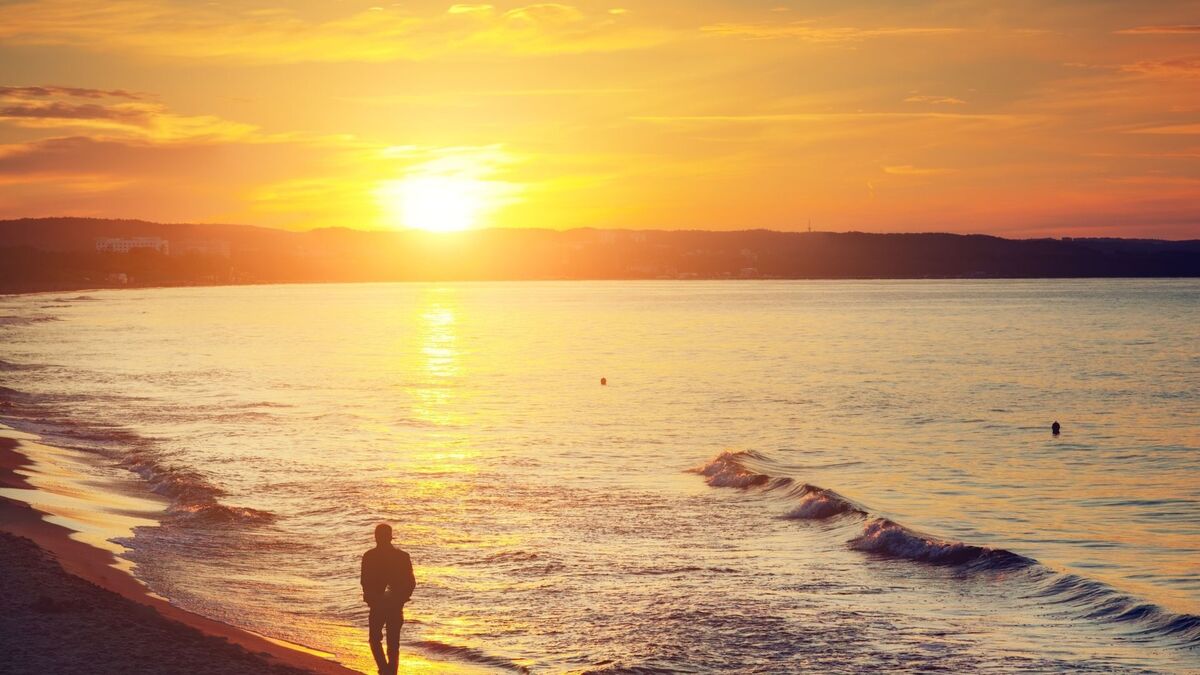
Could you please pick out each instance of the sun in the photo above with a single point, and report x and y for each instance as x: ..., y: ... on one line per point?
x: 435, y: 203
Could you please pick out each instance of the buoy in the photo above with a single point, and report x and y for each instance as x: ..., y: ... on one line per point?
x: 1055, y: 428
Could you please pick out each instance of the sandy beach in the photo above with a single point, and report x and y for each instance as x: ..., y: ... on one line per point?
x: 69, y: 608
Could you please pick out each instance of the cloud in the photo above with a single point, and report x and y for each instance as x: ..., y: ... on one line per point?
x: 1169, y: 129
x: 212, y: 31
x: 476, y: 98
x: 910, y: 170
x: 49, y: 91
x: 806, y: 31
x: 468, y: 9
x: 935, y: 100
x: 1181, y: 29
x: 1183, y: 67
x: 59, y: 107
x: 545, y: 13
x: 68, y: 111
x: 835, y: 116
x: 1182, y: 154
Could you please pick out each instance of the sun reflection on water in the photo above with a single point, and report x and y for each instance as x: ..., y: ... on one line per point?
x: 438, y: 349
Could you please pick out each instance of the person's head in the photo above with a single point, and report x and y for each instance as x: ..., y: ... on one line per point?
x: 383, y: 534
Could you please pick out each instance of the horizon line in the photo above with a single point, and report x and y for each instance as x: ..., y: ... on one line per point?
x: 418, y: 231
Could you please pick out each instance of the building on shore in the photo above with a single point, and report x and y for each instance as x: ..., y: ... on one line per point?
x: 127, y: 244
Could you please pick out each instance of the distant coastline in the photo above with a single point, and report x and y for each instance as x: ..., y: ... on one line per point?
x: 70, y: 254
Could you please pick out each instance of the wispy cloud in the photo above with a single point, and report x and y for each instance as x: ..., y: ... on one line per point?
x: 1179, y: 29
x: 935, y: 100
x: 128, y: 115
x: 809, y: 32
x: 69, y: 111
x: 469, y: 9
x: 1184, y: 67
x: 215, y: 32
x: 832, y: 116
x: 1170, y: 129
x: 49, y: 91
x: 910, y: 170
x: 472, y: 97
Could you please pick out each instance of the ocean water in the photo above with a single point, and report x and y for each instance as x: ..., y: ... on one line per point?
x: 778, y: 477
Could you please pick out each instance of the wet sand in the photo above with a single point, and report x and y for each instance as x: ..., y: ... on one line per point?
x: 69, y: 608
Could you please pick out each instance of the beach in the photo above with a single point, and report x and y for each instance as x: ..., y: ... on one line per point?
x: 69, y: 608
x: 57, y: 622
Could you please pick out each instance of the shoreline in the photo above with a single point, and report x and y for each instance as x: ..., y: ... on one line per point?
x: 105, y: 593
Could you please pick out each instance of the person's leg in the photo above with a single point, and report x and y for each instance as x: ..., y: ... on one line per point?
x: 375, y: 634
x: 394, y: 622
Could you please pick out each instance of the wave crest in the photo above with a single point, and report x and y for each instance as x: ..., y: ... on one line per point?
x: 217, y: 514
x: 817, y: 503
x: 727, y: 470
x: 14, y: 320
x: 885, y: 537
x: 194, y: 499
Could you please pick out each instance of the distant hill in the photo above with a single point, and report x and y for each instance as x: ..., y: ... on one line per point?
x: 80, y: 234
x: 40, y: 253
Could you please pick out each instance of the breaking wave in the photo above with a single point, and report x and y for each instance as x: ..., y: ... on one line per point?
x: 885, y: 537
x: 9, y: 366
x: 193, y: 499
x: 820, y: 504
x: 218, y: 514
x: 77, y: 298
x: 1077, y: 596
x: 14, y: 320
x: 727, y: 470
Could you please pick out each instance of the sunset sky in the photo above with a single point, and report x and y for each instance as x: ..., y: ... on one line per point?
x: 1017, y: 118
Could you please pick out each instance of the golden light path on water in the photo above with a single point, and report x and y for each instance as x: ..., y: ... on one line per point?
x: 435, y: 404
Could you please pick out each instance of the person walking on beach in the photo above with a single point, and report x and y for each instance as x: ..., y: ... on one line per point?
x: 387, y: 583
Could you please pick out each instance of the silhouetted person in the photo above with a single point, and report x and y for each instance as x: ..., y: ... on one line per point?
x: 387, y: 583
x: 1055, y: 428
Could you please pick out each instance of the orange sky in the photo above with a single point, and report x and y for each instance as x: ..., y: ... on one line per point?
x: 1017, y: 118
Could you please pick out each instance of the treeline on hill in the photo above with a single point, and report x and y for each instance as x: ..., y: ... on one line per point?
x: 61, y: 253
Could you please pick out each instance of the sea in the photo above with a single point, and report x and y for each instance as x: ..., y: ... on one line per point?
x: 777, y: 476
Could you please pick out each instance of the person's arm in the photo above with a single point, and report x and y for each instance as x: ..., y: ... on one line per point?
x: 407, y: 579
x: 362, y: 579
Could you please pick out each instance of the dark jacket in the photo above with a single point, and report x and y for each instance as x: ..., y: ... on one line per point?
x: 387, y: 573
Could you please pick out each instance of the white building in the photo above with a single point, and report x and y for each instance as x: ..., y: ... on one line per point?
x: 125, y: 245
